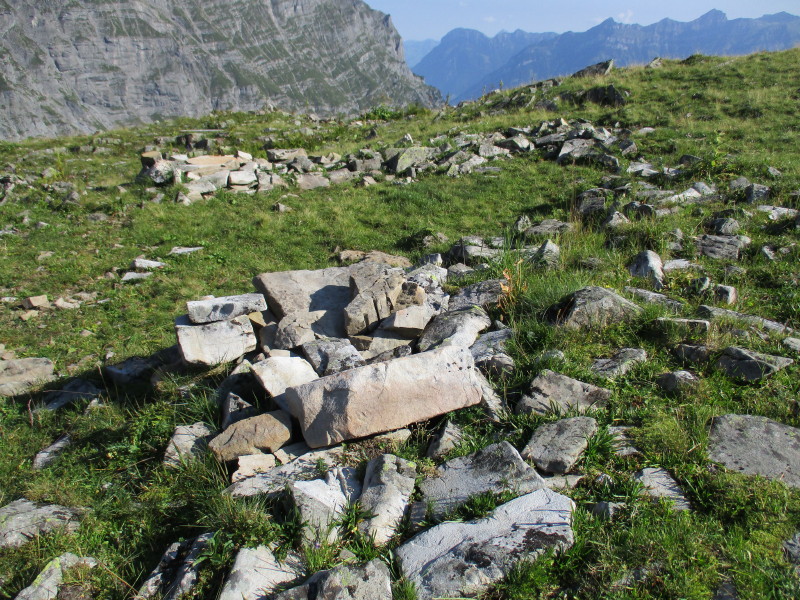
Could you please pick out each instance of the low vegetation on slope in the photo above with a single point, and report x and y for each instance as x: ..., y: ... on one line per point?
x: 73, y: 219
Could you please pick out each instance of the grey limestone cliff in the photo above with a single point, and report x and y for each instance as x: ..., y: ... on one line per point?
x: 77, y: 67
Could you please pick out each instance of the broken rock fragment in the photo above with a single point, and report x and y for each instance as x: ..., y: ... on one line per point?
x: 553, y: 391
x: 556, y: 447
x: 215, y: 343
x: 388, y: 485
x: 224, y: 308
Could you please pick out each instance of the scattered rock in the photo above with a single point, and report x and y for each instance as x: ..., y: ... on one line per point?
x: 269, y: 431
x: 371, y: 581
x: 463, y: 559
x: 278, y: 373
x: 711, y: 312
x: 725, y: 247
x: 49, y: 582
x: 224, y: 308
x: 592, y: 307
x: 495, y: 468
x: 23, y: 520
x: 384, y: 396
x: 692, y: 353
x: 750, y: 366
x: 553, y: 391
x: 454, y: 328
x: 556, y: 447
x: 251, y: 465
x: 445, y: 441
x: 655, y: 298
x: 648, y: 264
x: 321, y: 502
x: 548, y: 227
x: 215, y: 343
x: 489, y: 353
x: 388, y: 485
x: 46, y: 457
x: 328, y: 356
x: 756, y: 446
x: 620, y: 363
x: 677, y: 381
x: 18, y: 376
x: 176, y: 574
x: 484, y: 294
x: 187, y: 443
x: 658, y: 483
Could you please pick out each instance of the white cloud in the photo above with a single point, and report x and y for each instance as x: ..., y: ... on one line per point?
x: 625, y: 17
x: 489, y: 19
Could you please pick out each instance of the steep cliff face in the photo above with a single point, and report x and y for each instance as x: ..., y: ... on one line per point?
x: 74, y: 67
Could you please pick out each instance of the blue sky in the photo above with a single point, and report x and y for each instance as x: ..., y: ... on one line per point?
x: 423, y: 19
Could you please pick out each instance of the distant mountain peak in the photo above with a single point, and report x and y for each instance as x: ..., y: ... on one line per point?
x: 713, y: 16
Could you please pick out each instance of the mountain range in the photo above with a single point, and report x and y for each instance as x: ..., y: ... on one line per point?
x: 76, y: 67
x: 467, y: 63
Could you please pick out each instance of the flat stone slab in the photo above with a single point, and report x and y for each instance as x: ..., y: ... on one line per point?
x: 47, y: 585
x: 74, y: 390
x: 321, y: 502
x: 556, y: 447
x: 371, y: 581
x: 256, y: 574
x: 654, y: 297
x: 550, y: 390
x: 224, y: 307
x: 458, y: 560
x: 388, y: 484
x: 750, y: 366
x: 756, y: 446
x: 620, y: 363
x: 658, y: 483
x: 713, y: 312
x: 484, y: 293
x: 278, y: 373
x: 722, y: 247
x: 592, y: 307
x: 23, y: 520
x: 215, y: 343
x: 495, y: 468
x: 328, y: 356
x: 384, y: 396
x: 454, y: 328
x: 48, y: 456
x: 20, y: 375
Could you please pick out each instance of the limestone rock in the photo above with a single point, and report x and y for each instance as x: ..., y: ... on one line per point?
x: 235, y: 409
x: 712, y: 312
x: 224, y: 308
x: 409, y: 322
x: 620, y: 363
x: 548, y: 227
x: 312, y: 181
x: 176, y: 575
x: 592, y: 307
x: 556, y: 447
x: 256, y: 574
x: 445, y: 441
x: 677, y: 381
x: 648, y: 264
x: 47, y: 585
x: 495, y: 468
x: 46, y: 457
x: 74, y: 390
x: 19, y: 375
x: 658, y: 483
x: 215, y: 343
x: 384, y: 396
x: 550, y: 390
x: 456, y: 560
x: 484, y: 293
x: 749, y: 365
x: 269, y: 431
x: 23, y: 520
x: 756, y: 446
x: 371, y: 581
x: 388, y: 485
x: 321, y: 502
x: 278, y: 373
x: 328, y: 356
x: 375, y: 290
x: 547, y: 255
x: 489, y: 353
x: 454, y: 328
x: 251, y: 465
x: 692, y: 353
x: 188, y: 442
x: 648, y: 296
x: 725, y: 247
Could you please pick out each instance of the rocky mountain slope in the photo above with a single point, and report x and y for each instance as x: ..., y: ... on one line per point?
x: 80, y: 67
x: 450, y: 66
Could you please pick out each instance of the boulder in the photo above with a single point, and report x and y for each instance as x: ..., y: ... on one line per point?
x: 550, y: 390
x: 384, y: 396
x: 20, y: 375
x: 750, y: 366
x: 187, y: 443
x: 677, y: 381
x: 756, y: 446
x: 454, y: 328
x: 375, y: 290
x: 620, y: 363
x: 177, y: 573
x: 23, y: 520
x: 312, y: 181
x: 49, y: 582
x: 269, y: 431
x: 496, y: 468
x: 278, y: 373
x: 648, y: 264
x: 215, y: 343
x: 388, y: 484
x: 458, y: 560
x: 726, y: 247
x: 321, y: 502
x: 408, y: 158
x: 592, y: 307
x: 485, y: 294
x: 257, y: 574
x: 489, y: 353
x: 224, y: 308
x: 658, y: 483
x: 371, y: 581
x: 556, y: 447
x: 330, y: 355
x: 600, y: 69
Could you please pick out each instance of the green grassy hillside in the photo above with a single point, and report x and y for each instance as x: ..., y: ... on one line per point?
x: 738, y: 115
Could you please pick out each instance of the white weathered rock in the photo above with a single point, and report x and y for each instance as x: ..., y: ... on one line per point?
x: 556, y: 447
x: 384, y: 396
x: 47, y: 585
x: 329, y: 355
x: 648, y: 264
x: 46, y: 457
x: 550, y: 390
x: 176, y: 575
x: 388, y: 485
x: 495, y: 468
x: 454, y: 328
x: 256, y: 574
x: 371, y: 581
x: 457, y: 560
x: 620, y: 363
x: 133, y: 276
x: 19, y: 375
x: 278, y: 373
x: 749, y: 365
x: 224, y: 308
x: 409, y: 322
x: 188, y: 442
x: 658, y: 483
x: 23, y: 520
x: 144, y: 264
x: 756, y: 446
x: 592, y: 307
x: 215, y: 343
x: 251, y: 465
x: 321, y: 502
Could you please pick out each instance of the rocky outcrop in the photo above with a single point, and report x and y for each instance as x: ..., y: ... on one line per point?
x: 76, y: 68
